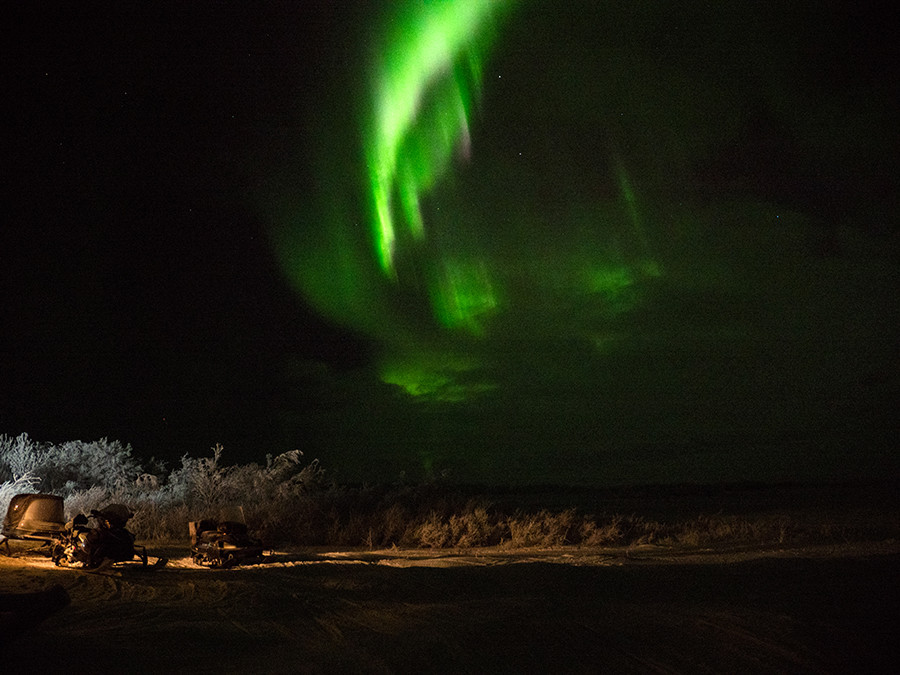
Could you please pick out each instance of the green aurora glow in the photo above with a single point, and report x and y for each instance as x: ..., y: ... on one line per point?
x: 427, y: 72
x: 533, y: 261
x: 418, y: 142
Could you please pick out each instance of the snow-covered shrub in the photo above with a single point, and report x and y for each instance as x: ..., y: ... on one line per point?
x: 19, y: 456
x: 69, y: 466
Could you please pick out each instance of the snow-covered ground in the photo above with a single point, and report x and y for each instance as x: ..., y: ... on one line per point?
x: 640, y: 609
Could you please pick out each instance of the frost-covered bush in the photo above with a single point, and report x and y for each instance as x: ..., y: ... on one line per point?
x: 206, y: 482
x: 77, y: 465
x: 18, y: 456
x: 69, y: 466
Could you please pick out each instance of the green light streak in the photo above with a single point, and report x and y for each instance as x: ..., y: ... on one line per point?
x: 427, y: 73
x: 630, y: 198
x: 608, y: 279
x: 463, y: 294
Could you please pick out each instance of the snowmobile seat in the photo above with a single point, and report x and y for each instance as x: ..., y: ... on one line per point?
x: 114, y: 516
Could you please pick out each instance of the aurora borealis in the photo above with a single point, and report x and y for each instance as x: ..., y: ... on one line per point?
x: 424, y: 78
x: 426, y: 72
x: 554, y: 263
x: 507, y: 241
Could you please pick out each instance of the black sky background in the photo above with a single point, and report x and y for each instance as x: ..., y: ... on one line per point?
x: 141, y: 300
x: 140, y: 297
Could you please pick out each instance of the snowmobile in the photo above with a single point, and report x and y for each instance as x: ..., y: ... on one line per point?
x: 36, y: 517
x: 108, y: 543
x: 40, y: 517
x: 223, y: 543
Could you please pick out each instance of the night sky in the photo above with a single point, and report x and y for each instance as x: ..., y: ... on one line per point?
x: 578, y: 242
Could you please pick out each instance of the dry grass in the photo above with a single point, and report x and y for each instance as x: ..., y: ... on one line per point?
x: 288, y: 502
